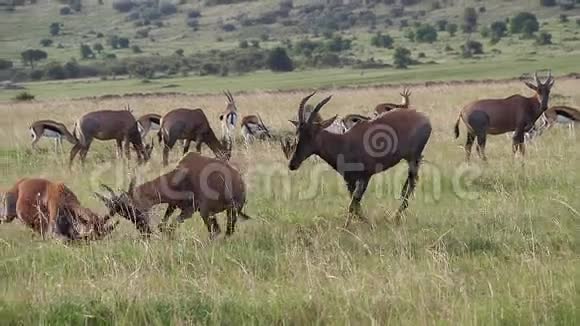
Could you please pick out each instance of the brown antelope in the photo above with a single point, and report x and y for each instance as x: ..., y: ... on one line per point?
x: 198, y: 184
x: 368, y: 148
x: 108, y: 125
x: 148, y: 122
x: 50, y: 129
x: 516, y: 113
x: 229, y: 118
x: 337, y: 127
x: 405, y: 103
x: 190, y: 125
x: 53, y: 209
x: 351, y: 119
x: 557, y: 114
x: 254, y: 127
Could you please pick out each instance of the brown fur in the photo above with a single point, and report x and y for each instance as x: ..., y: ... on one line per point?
x: 120, y: 126
x: 53, y: 209
x: 350, y: 155
x: 38, y: 128
x: 190, y: 125
x: 147, y: 120
x: 207, y: 185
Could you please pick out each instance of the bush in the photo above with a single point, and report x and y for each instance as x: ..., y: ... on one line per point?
x: 410, y: 34
x: 46, y: 42
x: 150, y: 14
x: 578, y: 22
x: 193, y: 13
x: 98, y: 47
x: 518, y: 23
x: 244, y: 44
x: 193, y: 23
x: 6, y: 64
x: 209, y: 69
x: 544, y: 38
x: 123, y: 42
x: 86, y: 52
x: 452, y: 29
x: 123, y: 5
x: 255, y: 43
x: 142, y: 33
x: 278, y: 60
x: 548, y: 3
x: 471, y: 48
x: 54, y: 29
x: 382, y: 41
x: 136, y: 49
x: 228, y: 27
x: 564, y: 18
x: 72, y: 69
x: 485, y: 32
x: 23, y: 96
x: 442, y: 25
x: 426, y: 34
x: 54, y: 70
x: 498, y: 30
x: 402, y: 58
x: 179, y: 52
x: 64, y: 11
x: 469, y: 20
x: 167, y: 8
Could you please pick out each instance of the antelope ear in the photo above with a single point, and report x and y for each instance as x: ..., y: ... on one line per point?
x: 221, y: 117
x: 530, y: 85
x: 294, y: 122
x: 326, y: 123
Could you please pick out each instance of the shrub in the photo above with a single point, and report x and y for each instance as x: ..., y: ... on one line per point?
x: 578, y: 22
x: 452, y: 29
x: 143, y: 32
x: 98, y: 47
x: 123, y: 5
x: 278, y: 60
x: 179, y: 52
x: 469, y: 20
x: 544, y: 38
x: 426, y: 34
x: 72, y: 69
x: 23, y: 96
x: 402, y: 58
x: 518, y: 23
x: 209, y: 69
x: 442, y: 25
x: 471, y: 48
x: 136, y: 49
x: 193, y: 23
x: 114, y: 41
x: 54, y: 29
x: 167, y: 8
x: 255, y: 43
x: 46, y: 42
x: 193, y: 13
x: 64, y: 11
x: 244, y: 44
x: 123, y: 42
x: 382, y: 41
x: 86, y: 52
x: 149, y: 14
x: 36, y: 74
x: 485, y: 32
x: 54, y: 70
x: 498, y: 30
x: 563, y: 18
x: 410, y: 34
x: 228, y: 27
x: 5, y: 64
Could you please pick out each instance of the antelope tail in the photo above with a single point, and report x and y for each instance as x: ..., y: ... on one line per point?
x: 456, y: 129
x: 78, y: 134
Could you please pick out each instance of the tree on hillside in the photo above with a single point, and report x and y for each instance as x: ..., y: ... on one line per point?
x: 98, y: 47
x: 278, y: 60
x: 402, y: 58
x: 31, y: 56
x: 382, y: 41
x: 452, y: 29
x: 469, y: 20
x: 5, y: 64
x: 86, y: 52
x: 55, y: 29
x: 524, y: 22
x: 426, y: 34
x: 498, y: 30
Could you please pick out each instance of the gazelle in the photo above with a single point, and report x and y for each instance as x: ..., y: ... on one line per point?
x: 198, y: 184
x: 352, y: 119
x: 120, y: 126
x: 405, y: 103
x: 370, y: 147
x: 190, y: 125
x: 50, y: 129
x: 253, y: 127
x: 148, y: 122
x: 557, y: 115
x: 497, y: 116
x: 51, y: 208
x: 229, y: 118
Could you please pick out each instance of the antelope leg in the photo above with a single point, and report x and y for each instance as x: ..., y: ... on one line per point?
x: 168, y: 212
x: 357, y: 189
x: 409, y: 187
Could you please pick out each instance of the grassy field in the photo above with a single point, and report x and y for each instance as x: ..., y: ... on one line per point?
x: 486, y: 245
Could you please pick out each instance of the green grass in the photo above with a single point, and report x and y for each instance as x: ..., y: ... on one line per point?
x: 508, y: 255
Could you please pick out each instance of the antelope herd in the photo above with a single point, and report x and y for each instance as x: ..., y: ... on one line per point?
x: 356, y: 146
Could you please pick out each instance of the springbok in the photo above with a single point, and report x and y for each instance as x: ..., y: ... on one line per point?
x: 108, y: 125
x: 386, y: 107
x: 368, y: 148
x: 148, y: 122
x: 190, y: 125
x: 229, y: 118
x: 253, y: 127
x: 50, y: 129
x: 556, y: 115
x: 352, y: 119
x: 198, y: 184
x: 516, y: 113
x: 51, y: 208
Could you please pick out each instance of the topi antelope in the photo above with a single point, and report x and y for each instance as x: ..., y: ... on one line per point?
x: 53, y: 209
x: 368, y: 148
x: 50, y: 129
x: 386, y: 107
x: 516, y: 113
x: 557, y: 114
x: 336, y: 127
x: 229, y: 118
x: 253, y: 127
x: 148, y: 122
x: 191, y: 125
x: 198, y: 184
x: 108, y: 125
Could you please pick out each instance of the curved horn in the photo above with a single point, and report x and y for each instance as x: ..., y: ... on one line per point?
x: 301, y: 107
x: 132, y: 185
x: 317, y: 108
x: 536, y: 78
x: 264, y: 126
x: 231, y: 96
x: 109, y: 190
x: 102, y: 198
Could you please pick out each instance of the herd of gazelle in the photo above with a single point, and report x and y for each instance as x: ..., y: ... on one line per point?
x: 52, y: 208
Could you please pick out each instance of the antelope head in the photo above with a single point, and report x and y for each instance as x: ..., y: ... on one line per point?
x: 307, y: 131
x: 542, y: 89
x: 230, y: 103
x: 124, y: 205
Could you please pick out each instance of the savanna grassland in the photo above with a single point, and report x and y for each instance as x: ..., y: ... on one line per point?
x: 481, y: 244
